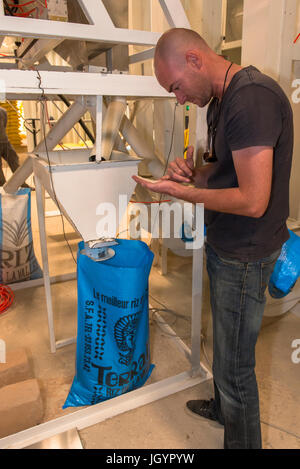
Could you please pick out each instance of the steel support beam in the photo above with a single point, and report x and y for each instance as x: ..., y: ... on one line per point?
x: 63, y: 126
x: 175, y: 14
x: 101, y: 30
x: 98, y: 413
x: 21, y: 82
x: 19, y: 177
x: 38, y: 51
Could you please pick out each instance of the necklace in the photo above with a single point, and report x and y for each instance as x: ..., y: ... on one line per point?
x: 210, y: 155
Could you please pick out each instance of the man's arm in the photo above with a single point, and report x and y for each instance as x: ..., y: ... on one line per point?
x: 254, y: 168
x: 202, y: 175
x: 183, y: 170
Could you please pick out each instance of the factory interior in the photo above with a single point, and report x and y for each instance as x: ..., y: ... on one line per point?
x: 85, y: 113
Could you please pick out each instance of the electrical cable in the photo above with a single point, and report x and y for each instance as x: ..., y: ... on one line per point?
x: 81, y: 122
x: 6, y: 298
x: 180, y: 316
x: 165, y: 169
x: 42, y: 99
x: 168, y: 158
x: 76, y: 131
x: 50, y: 125
x: 203, y: 339
x: 280, y: 429
x: 7, y: 8
x: 17, y: 9
x: 20, y: 115
x: 172, y: 139
x: 148, y: 203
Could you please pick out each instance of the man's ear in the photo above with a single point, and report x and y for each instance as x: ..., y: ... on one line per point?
x: 193, y: 58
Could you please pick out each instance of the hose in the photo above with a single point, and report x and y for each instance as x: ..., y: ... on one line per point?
x: 6, y: 298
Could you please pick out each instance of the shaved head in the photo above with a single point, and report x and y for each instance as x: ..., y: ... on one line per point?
x: 173, y: 45
x: 186, y: 66
x: 180, y: 62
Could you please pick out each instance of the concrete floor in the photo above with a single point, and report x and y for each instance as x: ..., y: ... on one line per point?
x: 163, y: 424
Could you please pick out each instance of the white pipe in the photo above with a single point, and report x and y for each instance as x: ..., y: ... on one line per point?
x: 63, y: 126
x: 140, y: 147
x: 115, y: 120
x: 18, y: 177
x: 111, y: 124
x: 119, y: 144
x: 156, y: 169
x: 99, y: 117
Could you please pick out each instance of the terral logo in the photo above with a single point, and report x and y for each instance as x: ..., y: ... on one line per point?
x: 2, y: 351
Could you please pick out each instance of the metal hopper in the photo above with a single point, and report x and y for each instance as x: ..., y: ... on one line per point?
x: 79, y: 186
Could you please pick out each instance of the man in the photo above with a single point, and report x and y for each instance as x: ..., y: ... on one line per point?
x: 6, y: 150
x: 245, y: 189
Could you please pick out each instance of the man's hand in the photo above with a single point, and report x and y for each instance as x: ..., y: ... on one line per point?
x: 182, y: 170
x: 162, y: 186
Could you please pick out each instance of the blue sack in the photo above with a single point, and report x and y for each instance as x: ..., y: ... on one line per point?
x: 287, y: 268
x: 17, y: 258
x: 113, y: 354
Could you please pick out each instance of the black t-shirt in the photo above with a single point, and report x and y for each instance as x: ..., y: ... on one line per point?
x: 255, y: 112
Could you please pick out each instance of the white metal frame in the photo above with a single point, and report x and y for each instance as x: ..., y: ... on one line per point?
x: 98, y: 413
x: 54, y: 345
x: 21, y: 82
x: 134, y: 399
x: 100, y: 29
x: 26, y: 83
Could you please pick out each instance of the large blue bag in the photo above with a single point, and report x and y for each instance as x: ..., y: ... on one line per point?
x: 113, y: 355
x: 17, y: 258
x: 287, y: 268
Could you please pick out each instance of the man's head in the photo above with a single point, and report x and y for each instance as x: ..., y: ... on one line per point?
x: 182, y: 64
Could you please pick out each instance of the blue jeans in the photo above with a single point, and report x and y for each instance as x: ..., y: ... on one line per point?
x: 237, y: 296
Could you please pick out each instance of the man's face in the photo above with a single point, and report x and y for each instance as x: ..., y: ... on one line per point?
x: 187, y: 83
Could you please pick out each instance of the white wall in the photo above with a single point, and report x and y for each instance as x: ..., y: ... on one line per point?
x: 267, y: 44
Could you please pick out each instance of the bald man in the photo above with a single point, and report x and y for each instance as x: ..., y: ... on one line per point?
x: 244, y: 185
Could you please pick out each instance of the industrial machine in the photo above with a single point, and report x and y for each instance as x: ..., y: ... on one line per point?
x: 92, y: 39
x: 79, y: 181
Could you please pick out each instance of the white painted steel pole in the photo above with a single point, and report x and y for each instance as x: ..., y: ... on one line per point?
x: 44, y: 252
x: 99, y: 115
x: 119, y: 144
x: 19, y: 177
x: 175, y: 13
x: 63, y: 126
x: 140, y: 147
x: 111, y: 125
x: 197, y: 281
